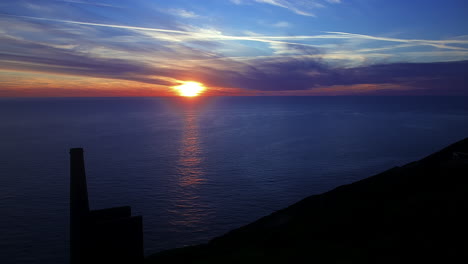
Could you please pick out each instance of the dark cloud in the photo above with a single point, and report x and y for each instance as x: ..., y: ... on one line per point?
x: 435, y: 77
x: 431, y: 78
x: 301, y: 72
x: 24, y: 55
x: 273, y: 75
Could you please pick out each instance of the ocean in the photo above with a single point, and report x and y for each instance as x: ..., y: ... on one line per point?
x: 196, y: 168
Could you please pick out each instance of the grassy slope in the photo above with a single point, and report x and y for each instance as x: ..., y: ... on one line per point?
x: 410, y: 214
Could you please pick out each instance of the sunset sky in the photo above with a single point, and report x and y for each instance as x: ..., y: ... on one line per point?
x: 233, y: 47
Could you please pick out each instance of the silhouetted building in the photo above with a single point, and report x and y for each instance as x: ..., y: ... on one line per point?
x: 100, y: 236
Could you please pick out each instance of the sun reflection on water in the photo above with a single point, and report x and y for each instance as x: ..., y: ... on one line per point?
x: 189, y: 209
x: 190, y: 153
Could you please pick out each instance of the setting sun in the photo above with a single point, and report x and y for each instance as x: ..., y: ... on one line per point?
x: 190, y: 89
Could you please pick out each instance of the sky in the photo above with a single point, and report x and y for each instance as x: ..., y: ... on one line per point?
x: 60, y: 48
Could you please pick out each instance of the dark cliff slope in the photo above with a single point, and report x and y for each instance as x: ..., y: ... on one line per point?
x: 411, y: 214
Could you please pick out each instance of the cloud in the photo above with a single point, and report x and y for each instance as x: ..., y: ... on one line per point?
x: 299, y: 7
x: 291, y: 49
x: 309, y: 74
x: 282, y: 24
x: 237, y: 2
x: 294, y: 6
x: 442, y: 44
x: 183, y: 13
x: 171, y: 34
x: 192, y: 33
x: 163, y: 56
x: 306, y: 72
x: 364, y: 89
x: 30, y: 56
x: 93, y: 3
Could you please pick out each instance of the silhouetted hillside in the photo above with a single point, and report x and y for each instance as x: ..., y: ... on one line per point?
x: 416, y: 213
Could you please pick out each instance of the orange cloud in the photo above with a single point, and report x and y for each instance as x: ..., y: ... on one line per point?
x: 30, y: 84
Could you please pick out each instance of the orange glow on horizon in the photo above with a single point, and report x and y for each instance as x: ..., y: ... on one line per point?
x: 190, y: 89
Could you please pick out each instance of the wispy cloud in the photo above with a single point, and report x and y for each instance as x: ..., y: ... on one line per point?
x: 291, y: 5
x: 237, y: 2
x: 183, y: 13
x: 176, y: 35
x: 443, y: 44
x: 93, y: 3
x: 163, y: 56
x: 299, y: 7
x: 282, y: 24
x: 55, y: 60
x: 181, y: 35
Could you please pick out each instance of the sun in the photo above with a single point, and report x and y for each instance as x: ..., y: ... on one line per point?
x: 190, y: 89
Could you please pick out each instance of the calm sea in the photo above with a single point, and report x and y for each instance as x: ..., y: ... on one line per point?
x: 197, y: 167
